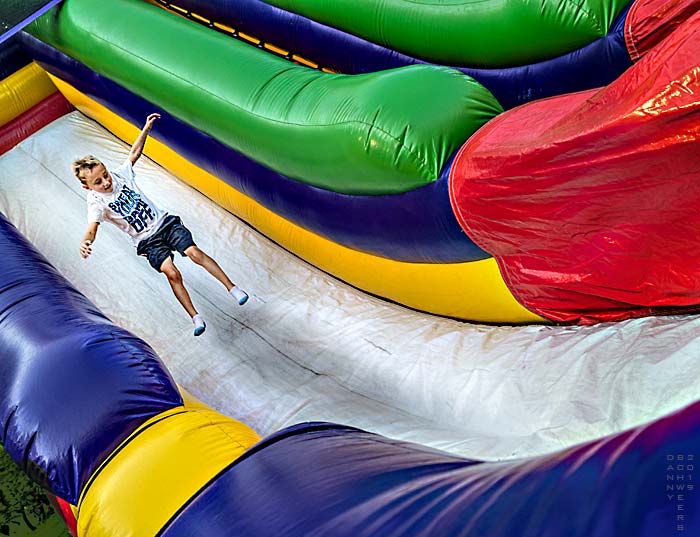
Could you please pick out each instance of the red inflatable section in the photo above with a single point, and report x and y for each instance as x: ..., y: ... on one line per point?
x: 37, y: 117
x: 64, y: 509
x: 649, y: 22
x: 590, y: 202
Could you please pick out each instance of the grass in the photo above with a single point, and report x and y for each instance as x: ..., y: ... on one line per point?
x: 24, y: 507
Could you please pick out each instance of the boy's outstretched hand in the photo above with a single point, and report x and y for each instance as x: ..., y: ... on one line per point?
x: 150, y: 120
x: 85, y: 249
x: 140, y: 141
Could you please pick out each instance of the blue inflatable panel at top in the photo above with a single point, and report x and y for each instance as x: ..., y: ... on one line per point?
x: 417, y: 226
x: 15, y: 15
x: 72, y: 384
x: 12, y: 58
x: 324, y: 479
x: 594, y: 65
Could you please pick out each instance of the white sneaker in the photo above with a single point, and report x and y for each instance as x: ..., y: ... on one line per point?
x: 199, y: 325
x: 239, y: 294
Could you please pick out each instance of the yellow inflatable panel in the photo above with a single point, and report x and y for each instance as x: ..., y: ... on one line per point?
x: 22, y: 90
x: 473, y: 291
x: 191, y: 402
x: 152, y: 474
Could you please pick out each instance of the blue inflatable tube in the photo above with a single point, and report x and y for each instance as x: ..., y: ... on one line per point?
x: 418, y: 226
x: 326, y: 479
x: 72, y: 384
x: 594, y: 65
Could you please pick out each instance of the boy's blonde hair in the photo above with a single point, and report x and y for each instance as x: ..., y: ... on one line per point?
x: 84, y: 164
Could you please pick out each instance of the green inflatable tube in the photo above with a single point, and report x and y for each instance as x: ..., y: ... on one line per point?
x: 380, y: 133
x: 468, y: 33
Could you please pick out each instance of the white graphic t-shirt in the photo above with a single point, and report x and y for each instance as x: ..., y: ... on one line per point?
x: 126, y: 206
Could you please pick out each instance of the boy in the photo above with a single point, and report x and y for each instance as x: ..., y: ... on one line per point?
x: 115, y: 197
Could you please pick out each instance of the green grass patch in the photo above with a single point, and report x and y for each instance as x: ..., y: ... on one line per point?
x: 25, y: 509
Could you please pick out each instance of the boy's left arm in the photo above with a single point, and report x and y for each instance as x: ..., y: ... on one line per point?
x: 140, y: 141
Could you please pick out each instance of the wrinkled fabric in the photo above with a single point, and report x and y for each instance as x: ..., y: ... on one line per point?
x: 27, y: 123
x: 589, y: 201
x: 307, y: 347
x: 325, y: 479
x: 72, y: 384
x: 415, y: 226
x: 649, y: 22
x: 590, y: 66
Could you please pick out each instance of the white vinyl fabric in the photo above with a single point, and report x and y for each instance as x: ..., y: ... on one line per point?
x: 308, y: 347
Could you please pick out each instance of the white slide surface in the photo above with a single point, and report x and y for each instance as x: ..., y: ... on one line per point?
x: 308, y: 347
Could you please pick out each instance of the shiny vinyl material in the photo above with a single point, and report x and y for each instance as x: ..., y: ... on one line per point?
x: 595, y: 64
x: 387, y: 284
x: 591, y: 211
x: 12, y: 57
x: 417, y: 226
x: 473, y: 290
x: 488, y: 392
x: 311, y: 478
x: 148, y: 478
x: 351, y: 134
x: 72, y: 384
x: 27, y: 123
x: 23, y: 89
x: 651, y: 21
x: 468, y: 33
x: 325, y: 479
x: 345, y: 481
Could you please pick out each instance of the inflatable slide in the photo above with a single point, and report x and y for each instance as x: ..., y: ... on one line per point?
x: 137, y: 457
x: 371, y: 177
x: 405, y: 179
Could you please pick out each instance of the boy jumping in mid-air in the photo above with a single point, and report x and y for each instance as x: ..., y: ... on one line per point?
x: 116, y: 198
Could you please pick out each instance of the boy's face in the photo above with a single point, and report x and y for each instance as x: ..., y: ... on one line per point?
x: 98, y: 179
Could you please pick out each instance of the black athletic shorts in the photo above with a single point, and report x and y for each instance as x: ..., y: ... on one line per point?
x: 171, y: 236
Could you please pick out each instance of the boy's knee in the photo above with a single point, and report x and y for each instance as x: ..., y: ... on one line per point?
x: 170, y: 271
x: 174, y: 276
x: 195, y: 254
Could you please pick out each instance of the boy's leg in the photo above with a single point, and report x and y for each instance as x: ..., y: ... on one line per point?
x: 179, y: 238
x: 175, y: 280
x: 213, y: 268
x: 160, y: 257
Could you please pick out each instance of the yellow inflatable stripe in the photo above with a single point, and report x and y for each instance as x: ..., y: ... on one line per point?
x: 278, y: 50
x: 172, y: 8
x: 200, y: 18
x: 224, y: 28
x: 178, y: 8
x: 149, y: 423
x: 303, y: 61
x: 250, y: 38
x: 472, y: 291
x: 158, y: 469
x: 22, y: 90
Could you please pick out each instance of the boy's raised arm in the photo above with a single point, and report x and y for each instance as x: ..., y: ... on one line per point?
x: 140, y: 141
x: 88, y: 239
